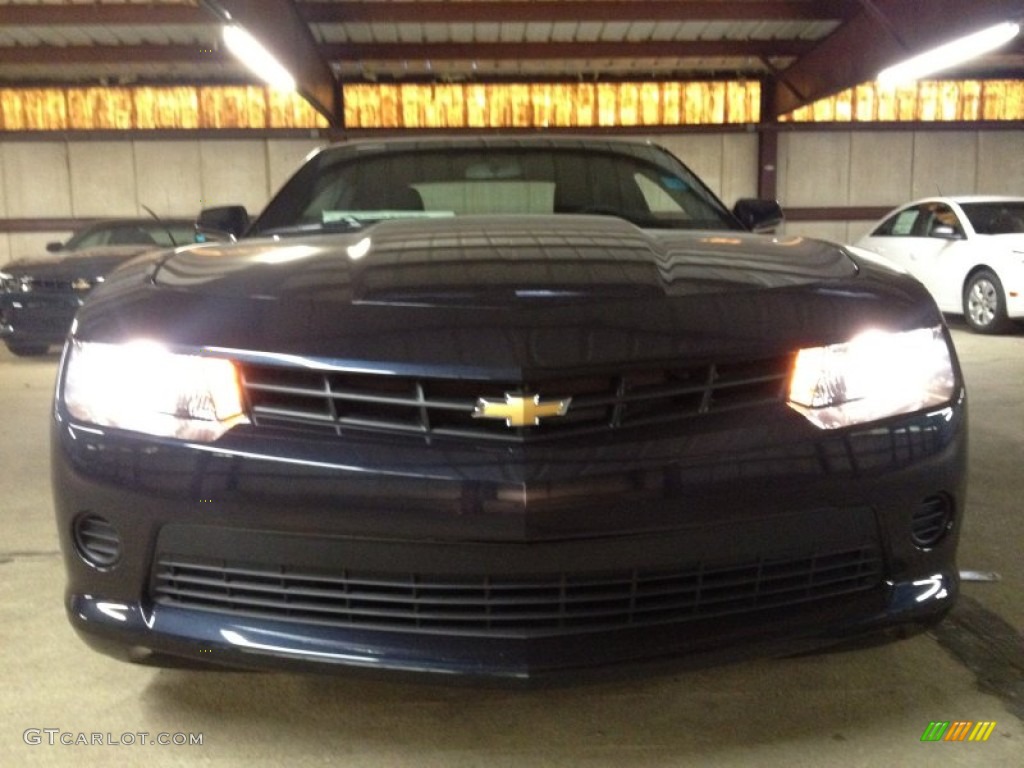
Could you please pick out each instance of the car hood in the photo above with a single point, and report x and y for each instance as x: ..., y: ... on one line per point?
x: 88, y: 262
x: 500, y: 297
x: 494, y: 261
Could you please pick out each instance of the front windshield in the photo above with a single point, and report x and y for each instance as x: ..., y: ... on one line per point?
x: 346, y: 190
x: 166, y: 234
x: 996, y: 218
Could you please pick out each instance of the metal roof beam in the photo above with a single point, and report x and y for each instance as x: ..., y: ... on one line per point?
x: 433, y: 11
x: 650, y: 49
x: 496, y: 11
x: 132, y: 14
x: 882, y: 33
x: 109, y: 54
x: 278, y: 26
x: 112, y: 54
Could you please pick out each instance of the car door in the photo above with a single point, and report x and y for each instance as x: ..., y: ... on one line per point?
x: 923, y: 240
x: 939, y: 254
x: 894, y: 237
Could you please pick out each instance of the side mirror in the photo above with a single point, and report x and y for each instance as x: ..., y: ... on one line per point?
x: 54, y: 247
x: 758, y: 215
x: 225, y: 222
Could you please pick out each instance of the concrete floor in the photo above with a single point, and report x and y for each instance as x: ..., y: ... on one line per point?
x: 866, y: 708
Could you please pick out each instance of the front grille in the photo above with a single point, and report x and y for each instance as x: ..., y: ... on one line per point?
x: 49, y: 284
x: 30, y: 285
x: 511, y: 606
x: 335, y: 402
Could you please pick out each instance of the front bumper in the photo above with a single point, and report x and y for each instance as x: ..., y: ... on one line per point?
x: 182, y: 638
x: 37, y: 318
x: 750, y: 537
x: 1015, y: 302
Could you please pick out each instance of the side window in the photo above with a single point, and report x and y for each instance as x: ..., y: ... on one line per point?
x: 938, y: 215
x: 898, y: 225
x: 97, y: 237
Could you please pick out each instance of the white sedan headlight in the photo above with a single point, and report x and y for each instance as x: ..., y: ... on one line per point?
x: 12, y: 284
x: 875, y: 375
x: 142, y: 387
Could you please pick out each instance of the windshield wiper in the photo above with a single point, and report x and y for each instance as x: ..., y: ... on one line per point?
x: 163, y: 226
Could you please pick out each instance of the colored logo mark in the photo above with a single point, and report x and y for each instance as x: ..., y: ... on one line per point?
x: 958, y: 730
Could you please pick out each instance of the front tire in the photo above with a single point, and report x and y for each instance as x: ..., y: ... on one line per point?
x: 985, y: 303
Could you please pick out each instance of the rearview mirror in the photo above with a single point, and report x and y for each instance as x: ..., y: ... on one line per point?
x: 758, y: 215
x: 226, y: 221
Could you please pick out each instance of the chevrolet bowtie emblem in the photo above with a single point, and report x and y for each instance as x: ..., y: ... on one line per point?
x: 520, y: 410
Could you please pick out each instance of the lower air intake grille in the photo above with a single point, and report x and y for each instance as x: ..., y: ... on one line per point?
x: 97, y: 540
x: 511, y: 606
x: 931, y: 520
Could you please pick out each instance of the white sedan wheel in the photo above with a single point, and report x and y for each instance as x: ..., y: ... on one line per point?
x: 984, y: 308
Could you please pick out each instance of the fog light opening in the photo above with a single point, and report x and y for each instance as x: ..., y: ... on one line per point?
x: 97, y: 540
x: 931, y: 521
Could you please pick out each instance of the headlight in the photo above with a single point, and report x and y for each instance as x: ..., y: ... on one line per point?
x: 144, y: 388
x: 873, y: 376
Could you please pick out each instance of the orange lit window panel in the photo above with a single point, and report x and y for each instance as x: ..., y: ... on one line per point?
x: 33, y: 109
x: 494, y: 106
x: 924, y: 101
x: 238, y: 107
x: 100, y: 109
x: 550, y: 105
x: 153, y: 108
x: 166, y: 108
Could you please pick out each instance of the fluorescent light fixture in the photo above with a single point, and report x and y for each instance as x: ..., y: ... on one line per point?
x: 251, y: 52
x: 950, y: 54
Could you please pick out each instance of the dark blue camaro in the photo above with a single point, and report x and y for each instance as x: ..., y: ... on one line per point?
x: 511, y: 409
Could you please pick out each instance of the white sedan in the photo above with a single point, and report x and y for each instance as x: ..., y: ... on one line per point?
x: 968, y: 252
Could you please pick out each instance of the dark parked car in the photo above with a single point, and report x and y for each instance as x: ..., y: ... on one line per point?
x: 39, y: 297
x: 512, y: 409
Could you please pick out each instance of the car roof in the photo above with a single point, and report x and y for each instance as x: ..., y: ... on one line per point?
x: 962, y: 199
x: 499, y: 142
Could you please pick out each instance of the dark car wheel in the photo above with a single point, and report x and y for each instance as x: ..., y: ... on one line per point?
x: 27, y: 350
x: 984, y: 303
